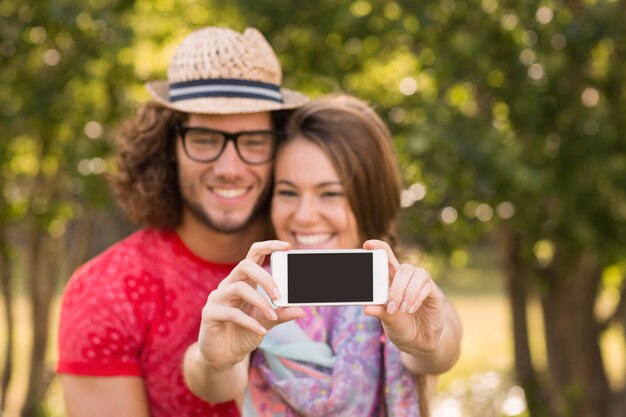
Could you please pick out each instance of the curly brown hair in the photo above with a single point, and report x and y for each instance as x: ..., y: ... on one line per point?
x: 145, y: 182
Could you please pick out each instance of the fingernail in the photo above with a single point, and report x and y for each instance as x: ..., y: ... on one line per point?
x: 391, y: 307
x: 273, y: 315
x: 275, y: 293
x: 262, y: 331
x: 411, y: 309
x: 403, y: 306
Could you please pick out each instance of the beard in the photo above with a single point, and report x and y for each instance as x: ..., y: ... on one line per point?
x: 229, y: 226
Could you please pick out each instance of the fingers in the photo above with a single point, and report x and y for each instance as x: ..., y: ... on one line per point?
x: 227, y: 314
x: 250, y: 269
x: 287, y: 314
x: 252, y: 273
x: 220, y: 308
x: 379, y: 244
x: 398, y: 299
x: 259, y: 250
x: 222, y: 313
x: 376, y: 311
x: 231, y: 295
x: 409, y: 288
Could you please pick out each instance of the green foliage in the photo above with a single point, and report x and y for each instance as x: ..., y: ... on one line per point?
x: 505, y: 112
x: 508, y: 117
x: 70, y: 71
x: 57, y: 61
x: 498, y: 108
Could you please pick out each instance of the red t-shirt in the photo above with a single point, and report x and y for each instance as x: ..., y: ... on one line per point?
x: 134, y: 310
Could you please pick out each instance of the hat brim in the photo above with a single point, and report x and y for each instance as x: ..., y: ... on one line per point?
x: 159, y: 90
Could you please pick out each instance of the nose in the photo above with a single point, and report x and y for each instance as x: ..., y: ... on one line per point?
x: 307, y: 211
x: 229, y: 163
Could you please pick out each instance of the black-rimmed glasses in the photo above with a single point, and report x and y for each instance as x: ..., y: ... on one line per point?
x: 207, y: 145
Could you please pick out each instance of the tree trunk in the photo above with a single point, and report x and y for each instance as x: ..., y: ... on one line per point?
x: 42, y: 273
x: 5, y: 282
x: 79, y: 239
x: 618, y: 405
x: 517, y: 292
x: 572, y: 336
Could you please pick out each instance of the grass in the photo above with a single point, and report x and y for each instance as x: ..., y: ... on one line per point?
x: 486, y: 343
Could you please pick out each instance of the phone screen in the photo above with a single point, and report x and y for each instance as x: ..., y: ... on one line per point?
x: 330, y: 277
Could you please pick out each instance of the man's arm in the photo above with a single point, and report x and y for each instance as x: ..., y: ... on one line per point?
x: 120, y: 396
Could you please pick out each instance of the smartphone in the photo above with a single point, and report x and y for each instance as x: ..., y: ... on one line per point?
x: 330, y: 277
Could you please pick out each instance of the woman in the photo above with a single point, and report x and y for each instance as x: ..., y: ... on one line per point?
x: 336, y: 185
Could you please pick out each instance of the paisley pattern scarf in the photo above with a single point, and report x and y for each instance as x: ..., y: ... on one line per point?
x: 333, y: 362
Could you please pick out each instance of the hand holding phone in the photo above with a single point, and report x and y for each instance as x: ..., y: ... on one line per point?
x: 236, y: 316
x: 330, y: 277
x: 413, y: 318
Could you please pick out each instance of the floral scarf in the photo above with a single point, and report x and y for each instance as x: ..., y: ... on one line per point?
x: 333, y: 362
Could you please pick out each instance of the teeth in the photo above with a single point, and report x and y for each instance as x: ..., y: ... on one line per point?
x: 230, y: 192
x: 312, y: 239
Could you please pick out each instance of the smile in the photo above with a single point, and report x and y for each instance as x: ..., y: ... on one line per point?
x: 229, y: 193
x: 312, y: 238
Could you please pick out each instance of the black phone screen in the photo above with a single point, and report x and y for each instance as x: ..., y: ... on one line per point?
x: 330, y: 277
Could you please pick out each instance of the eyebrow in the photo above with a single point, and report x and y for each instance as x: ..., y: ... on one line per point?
x: 321, y: 184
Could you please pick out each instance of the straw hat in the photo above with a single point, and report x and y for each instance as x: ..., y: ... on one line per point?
x: 220, y: 71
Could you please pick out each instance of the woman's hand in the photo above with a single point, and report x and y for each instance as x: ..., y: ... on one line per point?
x: 417, y: 318
x: 413, y: 317
x: 234, y: 320
x: 236, y: 316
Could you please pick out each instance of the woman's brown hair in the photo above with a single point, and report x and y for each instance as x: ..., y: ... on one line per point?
x: 360, y: 148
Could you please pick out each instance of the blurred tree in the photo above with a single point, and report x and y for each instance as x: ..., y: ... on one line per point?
x: 69, y: 72
x: 510, y: 118
x: 62, y: 74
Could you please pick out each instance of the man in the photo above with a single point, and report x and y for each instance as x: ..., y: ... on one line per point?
x: 194, y: 167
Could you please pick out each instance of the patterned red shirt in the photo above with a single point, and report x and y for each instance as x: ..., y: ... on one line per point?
x: 134, y: 310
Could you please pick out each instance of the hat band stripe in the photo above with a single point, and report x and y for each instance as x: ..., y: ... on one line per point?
x: 224, y: 88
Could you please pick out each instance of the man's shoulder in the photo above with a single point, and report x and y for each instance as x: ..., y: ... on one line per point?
x: 136, y: 249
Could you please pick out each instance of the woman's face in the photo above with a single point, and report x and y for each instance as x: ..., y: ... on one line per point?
x: 309, y: 208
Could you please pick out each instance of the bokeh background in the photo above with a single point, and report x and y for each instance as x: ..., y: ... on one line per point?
x: 508, y: 118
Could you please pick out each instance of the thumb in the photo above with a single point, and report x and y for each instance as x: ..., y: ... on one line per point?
x: 285, y: 314
x: 380, y: 312
x: 374, y: 311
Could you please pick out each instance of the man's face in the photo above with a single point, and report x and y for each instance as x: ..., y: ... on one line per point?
x: 225, y: 194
